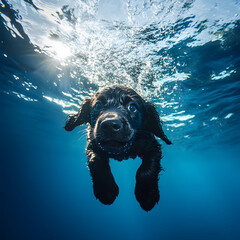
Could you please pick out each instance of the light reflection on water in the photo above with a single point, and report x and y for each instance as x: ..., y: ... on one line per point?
x: 154, y: 47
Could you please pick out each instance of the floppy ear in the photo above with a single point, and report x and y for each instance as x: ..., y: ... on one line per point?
x: 82, y: 117
x: 152, y: 123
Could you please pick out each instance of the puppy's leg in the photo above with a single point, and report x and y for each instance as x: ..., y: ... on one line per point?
x: 146, y: 190
x: 104, y: 186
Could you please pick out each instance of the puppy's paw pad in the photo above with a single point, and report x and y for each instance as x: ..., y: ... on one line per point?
x: 147, y: 198
x: 106, y: 193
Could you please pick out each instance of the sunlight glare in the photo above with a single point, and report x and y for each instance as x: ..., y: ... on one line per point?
x: 58, y: 49
x: 62, y: 51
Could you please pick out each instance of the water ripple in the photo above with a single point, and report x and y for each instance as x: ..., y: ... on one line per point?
x: 181, y: 55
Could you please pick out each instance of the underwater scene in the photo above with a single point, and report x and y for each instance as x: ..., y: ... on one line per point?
x: 182, y: 56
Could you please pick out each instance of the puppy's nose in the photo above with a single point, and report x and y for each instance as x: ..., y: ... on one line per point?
x: 111, y: 125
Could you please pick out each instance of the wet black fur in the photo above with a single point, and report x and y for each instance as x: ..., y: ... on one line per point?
x: 146, y: 125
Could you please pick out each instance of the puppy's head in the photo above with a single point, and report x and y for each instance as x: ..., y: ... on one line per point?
x: 115, y: 114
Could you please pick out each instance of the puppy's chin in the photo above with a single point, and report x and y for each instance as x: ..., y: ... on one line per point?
x: 114, y: 147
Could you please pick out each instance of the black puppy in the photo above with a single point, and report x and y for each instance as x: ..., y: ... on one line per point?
x: 122, y: 125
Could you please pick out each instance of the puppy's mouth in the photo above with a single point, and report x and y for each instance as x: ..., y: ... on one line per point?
x: 114, y: 146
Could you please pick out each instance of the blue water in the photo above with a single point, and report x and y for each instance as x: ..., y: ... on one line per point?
x: 182, y: 55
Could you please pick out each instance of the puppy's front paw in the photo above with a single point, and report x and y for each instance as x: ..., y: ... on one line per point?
x: 147, y: 195
x: 106, y: 192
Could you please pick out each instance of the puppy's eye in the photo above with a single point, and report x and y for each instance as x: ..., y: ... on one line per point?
x: 98, y: 105
x: 132, y: 107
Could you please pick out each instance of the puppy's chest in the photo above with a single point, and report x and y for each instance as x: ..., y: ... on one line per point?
x: 122, y: 157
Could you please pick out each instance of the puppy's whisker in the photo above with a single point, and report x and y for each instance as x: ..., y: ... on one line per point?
x: 82, y: 133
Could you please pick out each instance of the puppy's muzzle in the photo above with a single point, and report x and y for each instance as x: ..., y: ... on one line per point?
x: 111, y: 125
x: 113, y: 132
